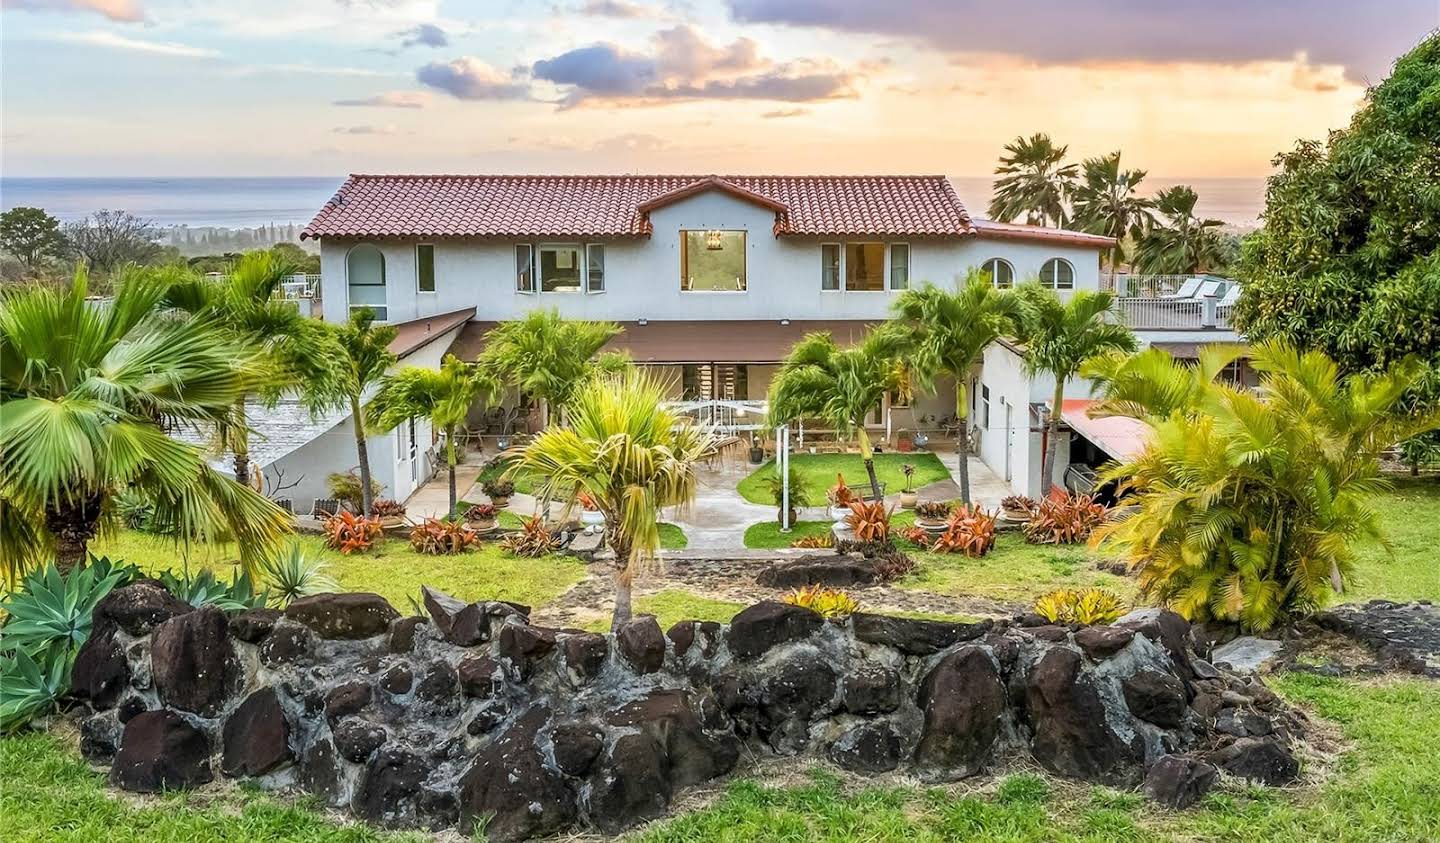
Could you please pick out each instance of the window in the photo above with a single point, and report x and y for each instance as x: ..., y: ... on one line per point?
x: 365, y: 276
x: 560, y: 269
x: 899, y: 400
x: 524, y: 269
x: 425, y: 268
x: 865, y: 266
x: 1057, y: 274
x: 595, y: 263
x: 830, y: 266
x: 712, y: 261
x: 1000, y: 273
x: 899, y: 266
x: 985, y: 407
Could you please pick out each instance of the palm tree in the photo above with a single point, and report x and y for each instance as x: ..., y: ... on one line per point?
x: 548, y: 357
x: 365, y: 358
x: 1106, y: 202
x: 839, y: 385
x: 1248, y: 504
x: 1185, y: 243
x: 86, y: 394
x: 294, y: 348
x: 633, y: 457
x: 947, y: 335
x: 1059, y: 337
x: 443, y: 396
x: 1033, y: 182
x: 1150, y: 383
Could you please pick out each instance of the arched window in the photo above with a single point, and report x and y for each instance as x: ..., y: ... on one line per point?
x: 365, y: 273
x: 1057, y: 274
x: 1000, y: 273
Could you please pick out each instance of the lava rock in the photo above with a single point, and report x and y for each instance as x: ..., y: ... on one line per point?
x: 1071, y: 735
x: 642, y: 643
x: 525, y: 645
x: 398, y: 680
x: 1202, y: 669
x: 100, y: 673
x: 252, y: 625
x: 402, y: 634
x: 795, y: 691
x: 160, y: 750
x: 487, y: 717
x: 349, y: 616
x: 256, y: 738
x: 1179, y: 781
x: 389, y: 788
x: 129, y: 708
x: 193, y: 663
x: 757, y: 629
x: 288, y: 643
x: 1259, y: 759
x: 913, y: 636
x: 872, y: 689
x: 584, y: 655
x: 836, y: 570
x: 684, y: 634
x: 576, y: 746
x: 630, y: 785
x: 320, y: 773
x: 695, y: 745
x: 100, y: 738
x: 462, y: 624
x: 348, y: 698
x: 1102, y: 642
x: 1167, y: 629
x: 872, y: 747
x: 1050, y: 632
x: 137, y: 608
x: 356, y: 739
x: 438, y: 683
x: 1155, y: 697
x: 963, y: 699
x: 510, y: 782
x: 480, y: 677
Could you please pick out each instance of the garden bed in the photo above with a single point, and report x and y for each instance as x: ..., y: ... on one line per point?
x: 818, y: 472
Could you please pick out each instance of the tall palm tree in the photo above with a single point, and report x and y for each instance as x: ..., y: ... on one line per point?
x: 1034, y: 182
x: 821, y: 380
x: 86, y: 394
x: 633, y: 457
x: 364, y: 360
x: 548, y: 357
x: 444, y: 397
x: 1151, y: 383
x: 294, y: 348
x: 1106, y: 201
x: 947, y: 335
x: 1059, y: 337
x: 1184, y: 243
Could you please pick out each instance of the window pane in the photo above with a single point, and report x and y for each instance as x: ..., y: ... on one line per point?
x: 365, y: 274
x: 524, y: 270
x: 830, y: 266
x: 1000, y: 273
x: 425, y: 268
x: 899, y: 266
x: 595, y: 260
x: 1057, y: 275
x: 559, y: 269
x: 865, y: 266
x: 712, y: 261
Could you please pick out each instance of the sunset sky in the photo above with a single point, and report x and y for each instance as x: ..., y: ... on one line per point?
x: 320, y: 87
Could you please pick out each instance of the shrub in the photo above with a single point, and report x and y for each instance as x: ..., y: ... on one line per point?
x: 1088, y: 606
x: 438, y: 538
x: 825, y: 539
x: 345, y: 487
x: 587, y: 502
x: 533, y: 540
x: 800, y: 491
x: 134, y: 510
x: 349, y: 533
x: 1018, y: 503
x: 909, y: 471
x: 497, y: 487
x: 841, y: 494
x: 933, y: 510
x: 1063, y: 518
x: 970, y: 530
x: 870, y: 521
x: 482, y: 512
x: 205, y: 589
x: 916, y: 535
x: 830, y: 602
x: 293, y: 575
x: 387, y: 508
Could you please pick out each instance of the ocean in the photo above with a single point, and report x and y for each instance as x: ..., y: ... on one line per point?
x: 251, y: 202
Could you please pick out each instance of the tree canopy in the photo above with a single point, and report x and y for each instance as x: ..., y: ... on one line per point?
x: 31, y: 235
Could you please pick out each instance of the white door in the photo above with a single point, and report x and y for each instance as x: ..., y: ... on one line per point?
x: 1009, y: 435
x: 411, y: 454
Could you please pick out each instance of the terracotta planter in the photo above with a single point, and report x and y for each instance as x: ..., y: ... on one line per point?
x: 392, y: 522
x: 1016, y: 514
x: 482, y: 526
x: 909, y: 499
x: 501, y: 501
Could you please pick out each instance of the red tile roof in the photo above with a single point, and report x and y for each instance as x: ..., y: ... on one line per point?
x: 1017, y: 231
x: 557, y: 206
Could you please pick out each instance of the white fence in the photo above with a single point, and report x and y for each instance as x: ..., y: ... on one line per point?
x: 724, y: 416
x: 1165, y: 313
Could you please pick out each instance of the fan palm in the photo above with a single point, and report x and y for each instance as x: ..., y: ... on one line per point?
x: 293, y: 348
x: 548, y: 357
x: 1106, y: 202
x: 1249, y: 504
x: 631, y: 456
x: 1059, y: 337
x: 1185, y: 243
x: 444, y: 397
x: 1034, y: 182
x: 365, y: 358
x: 841, y: 386
x: 86, y: 391
x: 947, y: 335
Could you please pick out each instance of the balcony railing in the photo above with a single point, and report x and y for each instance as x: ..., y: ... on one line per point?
x: 1164, y: 313
x: 724, y: 415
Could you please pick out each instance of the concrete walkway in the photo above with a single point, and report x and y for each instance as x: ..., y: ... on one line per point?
x: 986, y: 487
x: 432, y: 500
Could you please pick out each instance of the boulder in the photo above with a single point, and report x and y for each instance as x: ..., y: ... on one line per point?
x: 1247, y: 654
x: 252, y: 625
x: 525, y: 645
x: 584, y: 655
x: 488, y: 716
x: 684, y: 634
x: 1102, y: 642
x: 1264, y: 760
x: 694, y: 743
x: 872, y: 689
x: 1167, y: 629
x: 963, y: 699
x: 1155, y: 697
x: 100, y: 738
x: 389, y: 788
x: 913, y: 636
x: 160, y: 750
x: 402, y: 634
x: 1179, y: 781
x: 438, y: 683
x: 288, y: 643
x: 576, y: 746
x: 642, y: 643
x: 101, y: 673
x: 137, y: 608
x: 756, y: 629
x: 462, y: 624
x: 835, y: 570
x: 629, y: 785
x: 348, y: 698
x: 320, y: 773
x: 193, y: 662
x: 510, y: 783
x: 870, y: 747
x: 356, y: 739
x: 256, y: 738
x: 349, y: 616
x: 791, y: 694
x: 398, y: 680
x: 480, y: 677
x: 1068, y: 717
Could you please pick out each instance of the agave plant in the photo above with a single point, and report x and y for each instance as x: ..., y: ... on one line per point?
x: 205, y: 589
x: 294, y: 574
x: 30, y: 686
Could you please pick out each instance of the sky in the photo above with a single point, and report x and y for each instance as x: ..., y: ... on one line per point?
x: 322, y: 87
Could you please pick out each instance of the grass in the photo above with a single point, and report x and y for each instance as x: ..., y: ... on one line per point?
x: 817, y: 471
x: 672, y: 537
x: 767, y: 535
x: 524, y: 483
x: 1014, y: 571
x: 1411, y: 518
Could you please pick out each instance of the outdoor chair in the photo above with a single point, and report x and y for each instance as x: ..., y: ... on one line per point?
x: 1186, y: 291
x: 325, y: 508
x: 286, y: 504
x: 1231, y: 296
x: 1208, y: 289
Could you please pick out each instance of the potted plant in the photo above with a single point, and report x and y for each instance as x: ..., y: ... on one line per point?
x: 904, y: 442
x: 757, y: 451
x: 498, y: 490
x: 482, y: 517
x: 391, y: 513
x: 1017, y: 507
x: 799, y: 495
x: 590, y: 514
x: 908, y: 496
x: 932, y: 515
x: 840, y: 497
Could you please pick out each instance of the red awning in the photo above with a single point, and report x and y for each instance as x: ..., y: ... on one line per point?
x: 1120, y: 437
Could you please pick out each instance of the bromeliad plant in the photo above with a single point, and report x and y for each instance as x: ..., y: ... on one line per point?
x: 1063, y: 518
x: 869, y: 521
x: 1088, y: 606
x: 818, y: 540
x: 532, y: 541
x: 825, y: 601
x: 437, y: 538
x: 350, y: 533
x: 841, y: 494
x: 970, y: 530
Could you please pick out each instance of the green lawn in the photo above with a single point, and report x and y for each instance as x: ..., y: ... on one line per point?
x: 672, y: 537
x: 767, y: 535
x: 818, y: 472
x: 524, y: 483
x: 1411, y: 518
x: 1014, y: 571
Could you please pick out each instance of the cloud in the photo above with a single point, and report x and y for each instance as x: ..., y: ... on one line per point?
x: 121, y: 42
x: 781, y: 113
x: 367, y: 130
x: 390, y: 99
x: 120, y: 11
x: 424, y: 35
x: 1078, y: 31
x: 682, y: 65
x: 316, y: 69
x: 469, y: 78
x: 618, y: 9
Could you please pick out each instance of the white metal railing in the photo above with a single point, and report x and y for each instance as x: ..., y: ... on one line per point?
x: 1163, y: 313
x: 1223, y: 314
x: 1133, y: 284
x: 724, y: 415
x: 299, y: 286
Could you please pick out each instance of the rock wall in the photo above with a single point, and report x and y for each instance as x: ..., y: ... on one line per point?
x: 475, y: 713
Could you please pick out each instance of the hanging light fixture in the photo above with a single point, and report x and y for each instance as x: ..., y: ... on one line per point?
x: 714, y: 241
